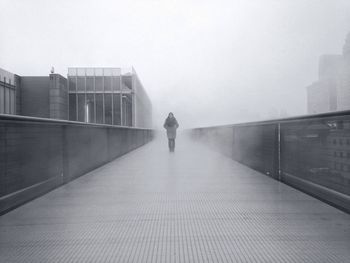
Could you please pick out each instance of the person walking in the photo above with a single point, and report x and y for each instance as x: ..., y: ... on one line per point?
x: 171, y: 125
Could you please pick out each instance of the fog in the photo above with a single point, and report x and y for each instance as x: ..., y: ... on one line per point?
x: 209, y: 62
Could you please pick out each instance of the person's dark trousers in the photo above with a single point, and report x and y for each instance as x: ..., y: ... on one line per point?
x: 171, y: 143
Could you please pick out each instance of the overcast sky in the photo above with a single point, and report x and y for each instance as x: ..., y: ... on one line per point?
x: 210, y: 62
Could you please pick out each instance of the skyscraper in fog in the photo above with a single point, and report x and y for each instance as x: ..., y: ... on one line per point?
x: 344, y: 78
x: 331, y: 92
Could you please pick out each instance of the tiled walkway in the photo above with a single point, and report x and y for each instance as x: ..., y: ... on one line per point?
x: 191, y: 206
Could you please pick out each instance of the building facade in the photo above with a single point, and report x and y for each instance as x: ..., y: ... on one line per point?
x: 58, y: 94
x: 331, y: 92
x: 9, y: 90
x: 99, y: 95
x: 112, y: 96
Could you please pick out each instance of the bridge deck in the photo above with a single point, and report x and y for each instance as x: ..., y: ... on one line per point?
x: 191, y: 206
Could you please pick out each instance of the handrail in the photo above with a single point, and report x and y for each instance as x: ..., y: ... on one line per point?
x: 309, y: 157
x: 281, y: 120
x: 9, y: 117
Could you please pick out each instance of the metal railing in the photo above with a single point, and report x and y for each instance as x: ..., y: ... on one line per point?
x: 38, y: 155
x: 311, y: 153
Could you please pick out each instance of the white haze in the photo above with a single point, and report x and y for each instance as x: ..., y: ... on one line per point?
x: 209, y: 62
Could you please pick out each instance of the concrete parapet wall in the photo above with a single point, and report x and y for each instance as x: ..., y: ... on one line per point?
x: 38, y: 155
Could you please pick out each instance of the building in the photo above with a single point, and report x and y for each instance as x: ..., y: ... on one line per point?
x: 322, y: 94
x: 111, y: 96
x: 44, y: 96
x: 331, y: 92
x: 319, y: 98
x: 9, y: 89
x: 34, y: 96
x: 344, y: 78
x: 108, y: 96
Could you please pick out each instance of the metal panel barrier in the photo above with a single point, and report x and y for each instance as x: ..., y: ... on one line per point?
x: 38, y: 155
x: 311, y: 153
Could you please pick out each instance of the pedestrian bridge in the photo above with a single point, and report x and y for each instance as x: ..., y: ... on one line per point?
x: 194, y: 205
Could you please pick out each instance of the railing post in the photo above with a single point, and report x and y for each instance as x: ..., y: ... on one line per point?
x: 279, y: 151
x: 65, y: 161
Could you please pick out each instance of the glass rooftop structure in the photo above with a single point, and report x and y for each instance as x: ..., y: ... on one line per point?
x: 107, y: 96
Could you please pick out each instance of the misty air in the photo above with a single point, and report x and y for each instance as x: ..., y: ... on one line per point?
x: 175, y: 131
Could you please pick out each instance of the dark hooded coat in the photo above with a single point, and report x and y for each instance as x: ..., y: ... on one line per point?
x: 171, y: 125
